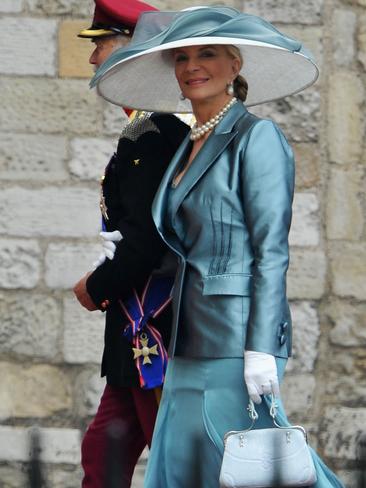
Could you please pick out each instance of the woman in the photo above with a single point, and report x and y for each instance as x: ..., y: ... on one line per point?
x: 224, y: 207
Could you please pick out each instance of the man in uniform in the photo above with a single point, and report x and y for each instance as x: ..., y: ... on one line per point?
x: 133, y: 249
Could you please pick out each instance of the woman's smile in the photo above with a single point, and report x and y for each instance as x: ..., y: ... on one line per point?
x: 196, y: 81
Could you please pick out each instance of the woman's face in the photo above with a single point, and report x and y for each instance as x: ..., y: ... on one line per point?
x: 203, y: 72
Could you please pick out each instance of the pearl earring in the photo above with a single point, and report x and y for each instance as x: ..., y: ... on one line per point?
x: 182, y: 97
x: 230, y: 89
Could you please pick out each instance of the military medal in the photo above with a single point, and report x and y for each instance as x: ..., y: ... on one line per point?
x: 145, y: 351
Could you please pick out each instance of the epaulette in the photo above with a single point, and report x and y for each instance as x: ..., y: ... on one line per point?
x: 138, y: 125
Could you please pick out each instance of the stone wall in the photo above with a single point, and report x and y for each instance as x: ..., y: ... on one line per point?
x: 56, y: 137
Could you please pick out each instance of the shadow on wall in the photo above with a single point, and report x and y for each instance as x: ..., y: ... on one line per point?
x: 37, y: 479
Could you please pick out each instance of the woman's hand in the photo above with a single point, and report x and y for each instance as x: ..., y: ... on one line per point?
x: 108, y: 245
x: 260, y: 375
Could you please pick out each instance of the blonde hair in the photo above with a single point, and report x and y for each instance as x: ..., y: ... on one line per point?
x: 240, y: 83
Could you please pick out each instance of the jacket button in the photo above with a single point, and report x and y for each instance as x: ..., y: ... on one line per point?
x: 282, y: 339
x: 284, y: 326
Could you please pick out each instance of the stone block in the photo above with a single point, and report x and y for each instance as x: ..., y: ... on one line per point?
x: 13, y: 476
x: 19, y: 263
x: 15, y: 444
x: 51, y: 211
x: 115, y: 119
x: 340, y: 431
x: 74, y: 52
x: 344, y: 206
x: 361, y: 39
x: 90, y: 156
x: 307, y: 274
x: 11, y: 6
x: 305, y: 227
x: 297, y: 392
x: 19, y: 384
x: 346, y: 389
x: 33, y: 157
x: 345, y: 375
x: 349, y: 323
x: 307, y: 157
x: 60, y: 445
x: 343, y: 37
x: 89, y: 387
x: 286, y: 11
x: 361, y: 3
x: 48, y: 106
x: 306, y: 332
x: 61, y: 7
x: 65, y: 477
x: 32, y: 53
x: 348, y: 268
x: 351, y: 478
x: 30, y: 325
x: 66, y: 263
x: 345, y: 117
x: 297, y: 115
x: 83, y: 334
x: 57, y: 445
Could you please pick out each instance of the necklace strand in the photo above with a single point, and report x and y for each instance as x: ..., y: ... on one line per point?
x: 198, y: 132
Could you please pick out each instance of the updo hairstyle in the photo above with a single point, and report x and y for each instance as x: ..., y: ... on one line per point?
x: 240, y: 83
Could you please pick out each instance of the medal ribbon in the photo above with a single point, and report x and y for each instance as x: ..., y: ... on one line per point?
x: 151, y: 359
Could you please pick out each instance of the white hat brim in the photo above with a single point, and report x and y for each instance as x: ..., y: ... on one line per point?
x: 146, y: 80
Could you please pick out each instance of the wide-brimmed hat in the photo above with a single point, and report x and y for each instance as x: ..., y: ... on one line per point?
x: 115, y: 17
x: 141, y: 75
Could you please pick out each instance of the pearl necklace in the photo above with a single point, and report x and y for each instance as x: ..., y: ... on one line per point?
x: 198, y: 132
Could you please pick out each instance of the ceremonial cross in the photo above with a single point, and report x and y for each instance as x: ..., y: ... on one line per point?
x: 145, y: 351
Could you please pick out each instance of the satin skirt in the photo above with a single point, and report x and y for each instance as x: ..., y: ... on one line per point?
x: 202, y: 400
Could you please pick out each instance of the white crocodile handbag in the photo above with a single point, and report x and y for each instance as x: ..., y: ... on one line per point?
x: 266, y: 458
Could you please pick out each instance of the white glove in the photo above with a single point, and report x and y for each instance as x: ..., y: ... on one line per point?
x: 108, y: 245
x: 260, y: 375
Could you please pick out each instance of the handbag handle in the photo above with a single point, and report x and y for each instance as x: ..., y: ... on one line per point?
x: 253, y: 415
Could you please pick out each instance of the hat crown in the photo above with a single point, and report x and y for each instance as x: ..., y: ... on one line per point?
x: 125, y: 12
x: 153, y: 23
x: 113, y: 17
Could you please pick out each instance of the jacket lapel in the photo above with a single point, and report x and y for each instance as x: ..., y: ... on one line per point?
x: 208, y: 154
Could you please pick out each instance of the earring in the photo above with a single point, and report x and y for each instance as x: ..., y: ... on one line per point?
x: 230, y: 89
x: 182, y: 97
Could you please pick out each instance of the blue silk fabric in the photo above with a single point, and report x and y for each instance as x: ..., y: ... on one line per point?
x: 228, y: 220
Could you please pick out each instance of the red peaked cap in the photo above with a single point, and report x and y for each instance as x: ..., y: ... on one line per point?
x: 119, y: 12
x: 113, y: 17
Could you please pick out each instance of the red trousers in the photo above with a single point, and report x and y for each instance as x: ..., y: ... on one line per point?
x: 114, y: 441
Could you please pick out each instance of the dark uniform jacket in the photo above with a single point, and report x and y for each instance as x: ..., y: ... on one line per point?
x: 132, y: 177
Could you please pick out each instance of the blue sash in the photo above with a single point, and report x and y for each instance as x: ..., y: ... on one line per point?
x: 150, y: 354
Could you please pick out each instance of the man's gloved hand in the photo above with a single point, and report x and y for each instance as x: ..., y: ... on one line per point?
x: 260, y: 375
x: 108, y: 245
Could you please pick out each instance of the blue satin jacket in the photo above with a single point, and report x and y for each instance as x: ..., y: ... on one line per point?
x: 228, y: 221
